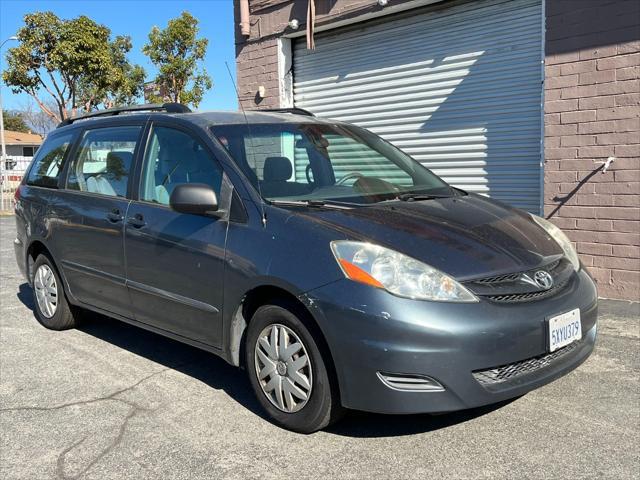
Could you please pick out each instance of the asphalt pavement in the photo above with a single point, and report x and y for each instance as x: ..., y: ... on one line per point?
x: 111, y: 401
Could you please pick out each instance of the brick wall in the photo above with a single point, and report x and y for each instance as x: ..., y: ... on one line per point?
x: 592, y: 109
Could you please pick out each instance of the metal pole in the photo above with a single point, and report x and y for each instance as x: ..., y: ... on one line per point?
x: 3, y: 156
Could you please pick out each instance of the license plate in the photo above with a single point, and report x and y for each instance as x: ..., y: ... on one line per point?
x: 564, y: 329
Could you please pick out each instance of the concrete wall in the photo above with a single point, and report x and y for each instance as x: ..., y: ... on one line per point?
x: 592, y: 107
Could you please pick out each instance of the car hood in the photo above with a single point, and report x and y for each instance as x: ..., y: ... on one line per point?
x: 467, y: 236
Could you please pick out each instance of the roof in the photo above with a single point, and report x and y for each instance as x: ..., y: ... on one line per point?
x: 20, y: 138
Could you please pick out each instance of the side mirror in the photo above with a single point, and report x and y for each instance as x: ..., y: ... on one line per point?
x: 194, y: 198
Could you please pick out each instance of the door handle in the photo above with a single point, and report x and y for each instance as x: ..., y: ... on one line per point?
x: 137, y: 221
x: 114, y: 216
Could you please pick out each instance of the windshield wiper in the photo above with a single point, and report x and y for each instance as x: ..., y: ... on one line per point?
x: 412, y: 197
x: 310, y: 203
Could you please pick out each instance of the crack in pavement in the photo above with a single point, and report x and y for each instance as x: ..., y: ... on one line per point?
x: 111, y: 396
x: 133, y: 411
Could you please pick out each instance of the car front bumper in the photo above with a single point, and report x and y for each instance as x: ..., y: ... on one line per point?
x: 369, y: 330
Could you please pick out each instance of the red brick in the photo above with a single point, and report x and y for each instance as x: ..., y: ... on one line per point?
x: 560, y: 153
x: 595, y: 151
x: 582, y: 91
x: 626, y: 175
x: 587, y: 260
x: 578, y: 67
x: 618, y: 61
x: 617, y: 263
x: 594, y: 248
x: 626, y: 226
x: 554, y: 70
x: 626, y: 276
x: 594, y: 224
x: 614, y: 88
x: 629, y: 47
x: 577, y: 140
x: 570, y: 187
x: 618, y: 188
x: 628, y: 73
x: 627, y: 125
x: 598, y: 127
x: 589, y: 78
x: 616, y: 213
x: 627, y: 99
x: 560, y: 130
x: 627, y: 150
x: 551, y: 118
x: 601, y: 275
x: 588, y: 103
x: 626, y: 251
x: 617, y: 138
x: 550, y: 95
x: 558, y: 177
x: 560, y: 106
x: 562, y: 58
x: 626, y: 200
x: 571, y: 211
x: 598, y: 52
x: 578, y: 117
x: 618, y: 113
x: 562, y: 82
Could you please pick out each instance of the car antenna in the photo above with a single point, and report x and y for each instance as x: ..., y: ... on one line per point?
x: 253, y: 154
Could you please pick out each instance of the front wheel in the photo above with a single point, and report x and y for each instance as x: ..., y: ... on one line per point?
x: 288, y: 372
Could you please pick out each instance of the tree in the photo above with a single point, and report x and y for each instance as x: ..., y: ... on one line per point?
x: 74, y: 62
x: 14, y: 121
x: 37, y: 120
x: 176, y: 52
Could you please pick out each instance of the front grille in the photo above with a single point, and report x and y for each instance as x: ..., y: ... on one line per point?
x: 497, y: 375
x: 526, y: 297
x: 510, y: 288
x: 512, y: 277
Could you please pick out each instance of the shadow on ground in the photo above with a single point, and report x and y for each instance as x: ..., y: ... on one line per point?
x: 215, y: 372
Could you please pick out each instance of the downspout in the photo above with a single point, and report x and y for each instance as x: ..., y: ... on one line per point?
x: 245, y: 26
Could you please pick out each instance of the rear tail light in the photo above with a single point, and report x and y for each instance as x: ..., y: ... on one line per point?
x: 18, y: 194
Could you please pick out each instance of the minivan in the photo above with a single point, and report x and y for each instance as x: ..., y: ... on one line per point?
x: 336, y: 270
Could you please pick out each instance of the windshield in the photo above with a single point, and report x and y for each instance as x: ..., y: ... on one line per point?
x: 322, y: 162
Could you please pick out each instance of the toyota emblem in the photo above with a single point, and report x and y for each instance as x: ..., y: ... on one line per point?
x: 543, y: 279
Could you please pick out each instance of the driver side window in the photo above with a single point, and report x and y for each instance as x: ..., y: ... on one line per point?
x: 174, y: 157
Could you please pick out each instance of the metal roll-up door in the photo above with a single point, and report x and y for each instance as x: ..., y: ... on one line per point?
x: 458, y: 88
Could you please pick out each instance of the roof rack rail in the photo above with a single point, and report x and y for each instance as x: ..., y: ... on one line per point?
x: 293, y: 110
x: 166, y: 107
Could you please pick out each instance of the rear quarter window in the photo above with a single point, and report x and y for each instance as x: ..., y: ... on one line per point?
x: 47, y: 164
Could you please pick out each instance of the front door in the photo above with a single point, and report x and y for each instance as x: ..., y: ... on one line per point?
x: 88, y: 217
x: 175, y: 262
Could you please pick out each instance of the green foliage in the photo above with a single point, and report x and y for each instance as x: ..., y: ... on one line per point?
x: 176, y: 52
x: 13, y: 121
x: 73, y: 61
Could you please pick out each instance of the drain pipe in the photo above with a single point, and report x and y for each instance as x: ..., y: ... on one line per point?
x: 245, y: 26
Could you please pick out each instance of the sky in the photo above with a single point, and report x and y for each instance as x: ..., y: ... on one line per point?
x: 136, y: 18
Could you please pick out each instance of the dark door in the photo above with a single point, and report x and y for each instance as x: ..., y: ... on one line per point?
x: 89, y: 215
x: 175, y: 261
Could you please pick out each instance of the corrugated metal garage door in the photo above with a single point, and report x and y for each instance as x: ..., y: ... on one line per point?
x: 458, y: 88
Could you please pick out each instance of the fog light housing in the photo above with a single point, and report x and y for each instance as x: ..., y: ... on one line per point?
x: 410, y: 383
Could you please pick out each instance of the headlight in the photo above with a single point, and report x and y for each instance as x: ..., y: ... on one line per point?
x: 562, y: 240
x: 398, y: 274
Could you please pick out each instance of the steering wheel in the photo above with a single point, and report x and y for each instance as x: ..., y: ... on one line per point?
x: 309, y: 174
x: 349, y: 176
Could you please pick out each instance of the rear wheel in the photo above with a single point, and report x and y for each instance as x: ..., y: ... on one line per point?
x: 51, y: 306
x: 288, y: 372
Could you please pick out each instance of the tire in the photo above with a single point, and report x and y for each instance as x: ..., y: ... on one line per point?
x: 53, y: 311
x: 322, y: 405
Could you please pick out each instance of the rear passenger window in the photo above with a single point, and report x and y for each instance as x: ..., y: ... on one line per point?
x: 103, y: 161
x: 174, y: 157
x: 48, y: 162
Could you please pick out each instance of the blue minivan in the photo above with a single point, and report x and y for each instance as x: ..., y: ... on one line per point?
x: 336, y: 270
